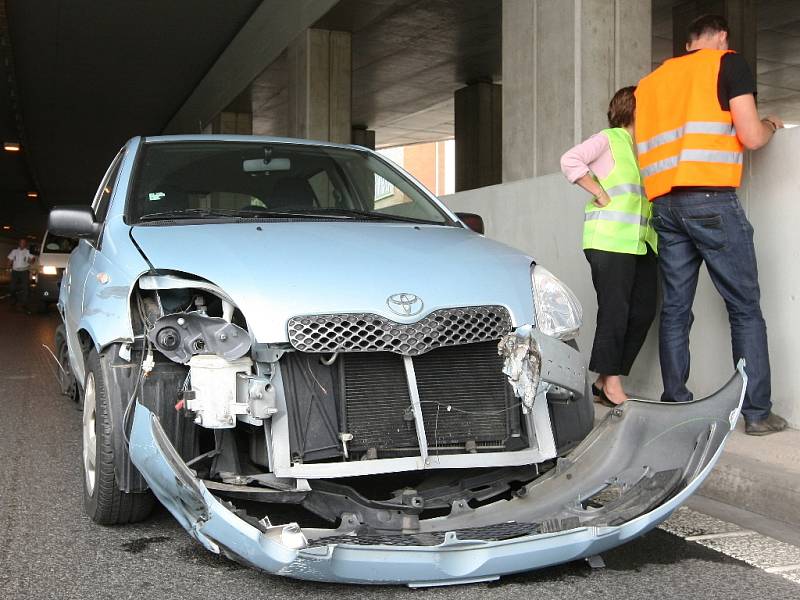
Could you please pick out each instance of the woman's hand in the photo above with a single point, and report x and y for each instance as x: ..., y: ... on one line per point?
x: 602, y: 199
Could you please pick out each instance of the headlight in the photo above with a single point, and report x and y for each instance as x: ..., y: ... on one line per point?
x: 558, y: 312
x: 49, y: 270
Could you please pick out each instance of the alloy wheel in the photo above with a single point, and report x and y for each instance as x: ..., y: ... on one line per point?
x: 90, y: 434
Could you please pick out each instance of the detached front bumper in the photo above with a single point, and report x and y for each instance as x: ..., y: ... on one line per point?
x: 646, y: 457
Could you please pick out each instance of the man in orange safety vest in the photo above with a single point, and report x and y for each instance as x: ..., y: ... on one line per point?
x: 695, y: 115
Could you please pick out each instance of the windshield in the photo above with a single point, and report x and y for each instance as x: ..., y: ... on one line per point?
x: 224, y: 180
x: 55, y: 244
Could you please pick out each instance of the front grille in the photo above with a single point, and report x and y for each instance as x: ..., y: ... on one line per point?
x: 365, y: 332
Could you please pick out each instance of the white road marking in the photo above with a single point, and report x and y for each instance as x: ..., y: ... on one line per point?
x: 712, y: 536
x: 753, y: 548
x: 783, y: 569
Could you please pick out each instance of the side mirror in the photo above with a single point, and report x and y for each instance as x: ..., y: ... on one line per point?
x: 471, y: 220
x: 76, y: 221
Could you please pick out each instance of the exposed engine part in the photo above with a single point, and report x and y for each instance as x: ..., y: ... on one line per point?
x: 180, y: 336
x: 214, y: 382
x: 522, y: 363
x: 258, y: 393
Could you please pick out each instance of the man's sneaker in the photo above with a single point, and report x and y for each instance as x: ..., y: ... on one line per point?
x: 772, y: 424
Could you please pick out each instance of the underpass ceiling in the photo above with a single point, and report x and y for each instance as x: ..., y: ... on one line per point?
x: 409, y: 56
x: 91, y: 75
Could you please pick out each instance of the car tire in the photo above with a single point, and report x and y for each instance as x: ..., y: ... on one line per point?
x: 104, y: 502
x: 66, y: 379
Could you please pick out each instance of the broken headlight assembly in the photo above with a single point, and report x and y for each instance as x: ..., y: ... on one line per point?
x: 194, y: 323
x: 558, y: 312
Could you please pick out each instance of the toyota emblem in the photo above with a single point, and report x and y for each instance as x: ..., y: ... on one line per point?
x: 405, y: 305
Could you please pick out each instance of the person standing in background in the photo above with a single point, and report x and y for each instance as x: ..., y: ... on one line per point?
x: 619, y: 244
x: 695, y: 115
x: 19, y: 260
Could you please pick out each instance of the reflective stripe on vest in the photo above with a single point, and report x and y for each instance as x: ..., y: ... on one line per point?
x: 623, y: 225
x: 684, y: 137
x: 706, y: 156
x: 617, y: 217
x: 625, y: 188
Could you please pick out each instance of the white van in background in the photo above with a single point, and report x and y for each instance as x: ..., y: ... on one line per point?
x: 49, y: 268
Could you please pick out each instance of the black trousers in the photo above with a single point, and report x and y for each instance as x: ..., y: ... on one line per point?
x: 20, y: 284
x: 626, y: 306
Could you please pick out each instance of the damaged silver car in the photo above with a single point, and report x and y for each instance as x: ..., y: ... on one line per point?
x: 324, y: 373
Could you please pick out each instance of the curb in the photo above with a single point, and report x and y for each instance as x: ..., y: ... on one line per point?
x: 770, y: 489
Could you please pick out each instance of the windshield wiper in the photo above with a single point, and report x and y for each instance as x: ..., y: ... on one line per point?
x: 357, y: 214
x: 188, y: 213
x: 265, y: 213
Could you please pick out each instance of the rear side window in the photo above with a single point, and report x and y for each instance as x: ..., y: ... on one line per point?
x: 55, y: 244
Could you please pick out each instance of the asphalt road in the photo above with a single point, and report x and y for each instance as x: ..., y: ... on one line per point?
x: 49, y: 549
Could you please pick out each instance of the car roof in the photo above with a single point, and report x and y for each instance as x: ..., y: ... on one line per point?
x: 224, y: 137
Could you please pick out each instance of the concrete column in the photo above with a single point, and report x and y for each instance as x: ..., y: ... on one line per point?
x: 562, y: 62
x: 741, y: 17
x: 237, y: 117
x: 319, y: 76
x: 363, y: 137
x: 478, y: 133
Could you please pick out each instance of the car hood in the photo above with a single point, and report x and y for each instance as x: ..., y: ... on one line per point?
x: 275, y: 271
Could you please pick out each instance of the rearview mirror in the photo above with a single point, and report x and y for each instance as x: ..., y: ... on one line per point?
x: 261, y: 165
x: 73, y: 221
x: 471, y: 220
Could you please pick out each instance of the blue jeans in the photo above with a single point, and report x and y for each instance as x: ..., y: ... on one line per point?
x: 694, y: 227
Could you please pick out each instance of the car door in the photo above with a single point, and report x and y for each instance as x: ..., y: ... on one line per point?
x: 73, y: 290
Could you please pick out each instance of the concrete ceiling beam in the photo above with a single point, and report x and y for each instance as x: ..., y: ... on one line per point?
x: 266, y: 34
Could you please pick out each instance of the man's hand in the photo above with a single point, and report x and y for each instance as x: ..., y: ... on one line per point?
x: 773, y: 120
x: 751, y: 131
x: 601, y: 200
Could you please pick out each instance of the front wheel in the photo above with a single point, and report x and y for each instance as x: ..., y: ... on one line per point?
x: 104, y: 502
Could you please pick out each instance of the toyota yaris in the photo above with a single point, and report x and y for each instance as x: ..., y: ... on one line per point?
x: 324, y: 373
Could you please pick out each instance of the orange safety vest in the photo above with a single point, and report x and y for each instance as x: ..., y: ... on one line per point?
x: 683, y: 136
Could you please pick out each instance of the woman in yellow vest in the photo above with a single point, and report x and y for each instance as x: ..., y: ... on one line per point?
x: 619, y: 244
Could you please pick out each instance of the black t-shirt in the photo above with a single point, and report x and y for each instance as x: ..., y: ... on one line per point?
x: 735, y: 79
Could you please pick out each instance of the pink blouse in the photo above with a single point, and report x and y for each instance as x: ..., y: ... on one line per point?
x: 593, y: 155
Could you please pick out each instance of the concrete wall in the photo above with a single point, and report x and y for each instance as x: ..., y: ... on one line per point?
x: 544, y: 217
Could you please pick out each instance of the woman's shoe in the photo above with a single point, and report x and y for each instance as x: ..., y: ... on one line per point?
x: 605, y: 400
x: 596, y: 391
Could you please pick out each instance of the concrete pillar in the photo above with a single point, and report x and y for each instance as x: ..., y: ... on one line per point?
x: 562, y: 62
x: 237, y: 117
x: 741, y: 17
x: 363, y: 137
x: 478, y: 133
x: 319, y: 77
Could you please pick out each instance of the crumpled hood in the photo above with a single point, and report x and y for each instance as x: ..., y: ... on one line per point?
x: 275, y: 271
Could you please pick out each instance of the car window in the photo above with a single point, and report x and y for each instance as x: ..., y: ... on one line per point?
x: 56, y: 244
x: 216, y: 179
